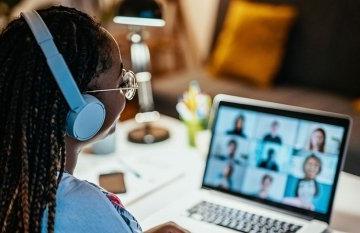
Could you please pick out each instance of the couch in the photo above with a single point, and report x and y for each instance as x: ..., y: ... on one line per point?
x: 320, y: 68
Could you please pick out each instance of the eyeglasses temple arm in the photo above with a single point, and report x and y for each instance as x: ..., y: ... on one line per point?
x: 114, y: 89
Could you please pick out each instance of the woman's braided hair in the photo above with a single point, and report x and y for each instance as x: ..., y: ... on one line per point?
x: 33, y: 112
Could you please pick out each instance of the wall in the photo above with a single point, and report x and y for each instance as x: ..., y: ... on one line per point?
x: 200, y: 17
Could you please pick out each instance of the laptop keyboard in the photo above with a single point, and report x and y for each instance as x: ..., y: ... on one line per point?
x: 238, y: 220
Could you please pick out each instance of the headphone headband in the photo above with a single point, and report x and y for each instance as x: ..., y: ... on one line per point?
x: 55, y: 60
x: 87, y: 113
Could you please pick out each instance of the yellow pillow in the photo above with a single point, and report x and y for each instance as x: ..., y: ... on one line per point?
x: 357, y: 105
x: 251, y: 43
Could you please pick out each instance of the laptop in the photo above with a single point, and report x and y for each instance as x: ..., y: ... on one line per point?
x: 270, y: 168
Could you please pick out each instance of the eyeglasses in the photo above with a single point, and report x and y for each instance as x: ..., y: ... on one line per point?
x: 128, y: 85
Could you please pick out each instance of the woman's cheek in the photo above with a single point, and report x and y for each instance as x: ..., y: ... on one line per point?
x: 122, y: 102
x: 116, y: 104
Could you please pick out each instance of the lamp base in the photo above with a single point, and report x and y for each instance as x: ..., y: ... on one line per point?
x: 148, y: 134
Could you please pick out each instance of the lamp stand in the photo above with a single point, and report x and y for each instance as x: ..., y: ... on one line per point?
x: 147, y: 133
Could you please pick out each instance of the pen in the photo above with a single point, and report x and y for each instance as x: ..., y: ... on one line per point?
x: 130, y: 169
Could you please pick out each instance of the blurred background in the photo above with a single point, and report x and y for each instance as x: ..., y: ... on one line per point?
x: 304, y: 53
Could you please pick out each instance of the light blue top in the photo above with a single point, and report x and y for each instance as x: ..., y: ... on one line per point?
x: 82, y: 207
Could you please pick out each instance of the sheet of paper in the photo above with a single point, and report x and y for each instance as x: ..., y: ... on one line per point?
x: 144, y: 173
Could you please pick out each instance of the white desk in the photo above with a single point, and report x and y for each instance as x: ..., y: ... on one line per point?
x: 186, y: 165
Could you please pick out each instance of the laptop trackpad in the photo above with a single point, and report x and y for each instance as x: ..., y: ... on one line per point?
x: 314, y: 226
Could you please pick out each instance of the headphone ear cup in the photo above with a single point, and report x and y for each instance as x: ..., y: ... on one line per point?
x: 85, y: 123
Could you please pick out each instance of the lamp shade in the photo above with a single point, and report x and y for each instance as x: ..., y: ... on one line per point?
x: 139, y: 13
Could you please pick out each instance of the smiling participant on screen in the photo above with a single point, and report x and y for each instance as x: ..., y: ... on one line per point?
x: 266, y: 183
x: 307, y: 188
x: 317, y: 140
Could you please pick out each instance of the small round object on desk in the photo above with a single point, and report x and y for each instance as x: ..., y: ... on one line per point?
x: 148, y: 134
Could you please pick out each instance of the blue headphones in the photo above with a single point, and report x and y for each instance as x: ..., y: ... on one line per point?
x: 87, y: 113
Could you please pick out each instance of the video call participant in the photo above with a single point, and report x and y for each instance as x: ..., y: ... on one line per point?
x: 238, y: 129
x: 269, y: 162
x: 273, y: 135
x: 307, y: 188
x: 265, y: 185
x: 317, y: 140
x: 231, y: 151
x: 226, y: 176
x: 37, y: 157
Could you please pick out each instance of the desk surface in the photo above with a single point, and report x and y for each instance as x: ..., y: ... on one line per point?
x: 187, y: 165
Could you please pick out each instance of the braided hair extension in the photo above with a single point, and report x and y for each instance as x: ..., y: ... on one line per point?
x: 33, y: 112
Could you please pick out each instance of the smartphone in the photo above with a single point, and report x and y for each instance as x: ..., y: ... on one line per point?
x: 113, y: 182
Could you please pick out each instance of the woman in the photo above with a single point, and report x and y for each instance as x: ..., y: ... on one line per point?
x: 317, y: 140
x: 238, y: 129
x: 226, y: 176
x: 265, y: 186
x: 312, y: 167
x: 37, y: 158
x: 307, y: 188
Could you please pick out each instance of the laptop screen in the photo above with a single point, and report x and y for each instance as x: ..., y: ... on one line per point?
x: 286, y: 159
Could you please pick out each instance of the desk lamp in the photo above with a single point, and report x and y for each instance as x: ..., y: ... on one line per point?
x: 138, y: 14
